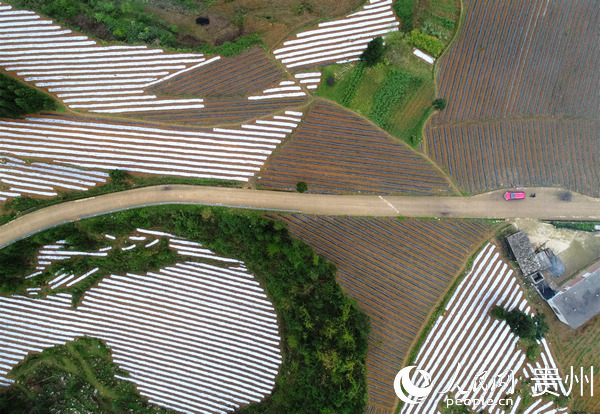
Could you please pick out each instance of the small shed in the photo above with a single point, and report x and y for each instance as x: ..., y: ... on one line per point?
x: 523, y: 250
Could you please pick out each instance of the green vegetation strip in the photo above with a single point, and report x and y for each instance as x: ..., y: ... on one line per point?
x: 78, y: 377
x: 128, y: 21
x: 18, y: 99
x: 323, y: 332
x: 577, y: 225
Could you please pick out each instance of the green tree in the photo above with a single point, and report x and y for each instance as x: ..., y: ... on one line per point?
x: 301, y: 187
x: 373, y: 53
x: 439, y: 104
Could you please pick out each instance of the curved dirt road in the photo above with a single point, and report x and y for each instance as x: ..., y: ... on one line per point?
x: 547, y: 205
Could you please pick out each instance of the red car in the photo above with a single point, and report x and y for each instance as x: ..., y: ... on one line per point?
x: 514, y: 195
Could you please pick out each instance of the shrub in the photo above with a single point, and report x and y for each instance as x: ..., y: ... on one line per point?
x: 533, y: 351
x: 117, y: 175
x: 499, y: 312
x: 425, y: 42
x: 301, y: 187
x: 439, y: 104
x: 405, y: 10
x: 373, y: 53
x: 330, y: 80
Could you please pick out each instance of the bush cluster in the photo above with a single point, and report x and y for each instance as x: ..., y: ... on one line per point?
x: 405, y: 10
x: 425, y: 42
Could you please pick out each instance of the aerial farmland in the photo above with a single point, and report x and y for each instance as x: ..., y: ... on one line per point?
x: 299, y: 207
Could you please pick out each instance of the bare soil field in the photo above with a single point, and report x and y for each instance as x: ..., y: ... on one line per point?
x: 251, y: 71
x: 397, y: 270
x: 336, y: 151
x: 523, y: 97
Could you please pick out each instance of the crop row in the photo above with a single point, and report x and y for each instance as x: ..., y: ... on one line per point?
x: 223, y: 110
x: 526, y: 66
x: 84, y: 74
x: 220, y: 153
x: 43, y: 179
x: 335, y: 151
x: 193, y: 337
x: 339, y: 40
x: 466, y: 341
x: 249, y: 72
x: 396, y: 270
x: 508, y: 153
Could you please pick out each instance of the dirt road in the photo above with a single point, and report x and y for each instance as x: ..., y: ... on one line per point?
x: 547, y: 205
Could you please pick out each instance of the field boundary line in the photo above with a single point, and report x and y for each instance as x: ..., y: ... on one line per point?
x: 395, y: 140
x: 439, y: 308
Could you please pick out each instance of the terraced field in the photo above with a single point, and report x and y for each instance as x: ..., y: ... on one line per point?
x: 249, y: 72
x: 221, y: 153
x: 194, y: 337
x: 467, y: 335
x: 338, y: 41
x: 222, y: 110
x: 42, y: 179
x: 84, y: 74
x: 519, y: 152
x: 396, y: 270
x: 335, y: 151
x: 523, y: 97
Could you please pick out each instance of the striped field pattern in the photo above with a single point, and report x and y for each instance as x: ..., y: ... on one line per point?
x: 42, y: 179
x: 251, y: 71
x: 234, y: 154
x: 509, y: 153
x: 397, y: 271
x: 221, y: 110
x: 523, y: 97
x: 84, y: 74
x: 194, y: 337
x: 467, y: 335
x: 336, y: 151
x: 339, y: 40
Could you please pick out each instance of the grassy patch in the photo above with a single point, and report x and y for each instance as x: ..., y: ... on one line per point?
x: 77, y: 377
x: 396, y: 95
x: 17, y: 99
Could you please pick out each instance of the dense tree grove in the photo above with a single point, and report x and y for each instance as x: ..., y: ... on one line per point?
x: 324, y: 333
x: 78, y: 377
x: 17, y: 99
